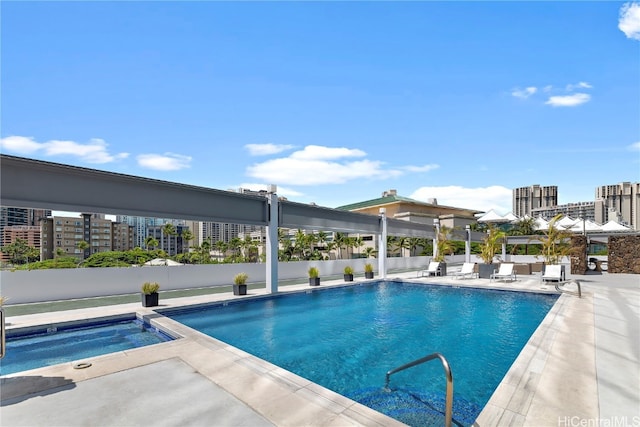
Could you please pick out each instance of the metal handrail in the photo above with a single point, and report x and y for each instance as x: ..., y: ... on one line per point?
x: 2, y: 334
x: 448, y: 405
x: 569, y: 292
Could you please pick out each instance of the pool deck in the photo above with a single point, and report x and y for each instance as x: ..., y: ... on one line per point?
x: 581, y: 367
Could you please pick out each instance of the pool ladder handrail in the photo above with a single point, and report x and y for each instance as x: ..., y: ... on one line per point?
x: 448, y: 406
x: 2, y: 334
x: 577, y: 282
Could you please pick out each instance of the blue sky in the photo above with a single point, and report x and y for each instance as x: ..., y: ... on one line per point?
x: 334, y: 102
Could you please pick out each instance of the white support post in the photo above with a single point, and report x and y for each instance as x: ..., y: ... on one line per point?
x: 272, y: 241
x: 436, y: 225
x: 467, y: 245
x: 504, y: 251
x: 382, y: 247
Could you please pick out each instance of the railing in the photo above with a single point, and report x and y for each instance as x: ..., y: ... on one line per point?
x: 2, y: 335
x: 448, y: 406
x: 561, y: 290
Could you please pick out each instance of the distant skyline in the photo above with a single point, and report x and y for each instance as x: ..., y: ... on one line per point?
x: 334, y: 102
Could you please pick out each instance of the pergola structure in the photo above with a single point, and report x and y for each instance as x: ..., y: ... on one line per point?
x: 29, y: 183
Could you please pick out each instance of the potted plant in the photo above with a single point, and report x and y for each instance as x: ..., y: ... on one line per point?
x: 240, y: 284
x: 150, y: 294
x: 490, y: 245
x: 314, y: 276
x: 348, y: 274
x: 368, y: 271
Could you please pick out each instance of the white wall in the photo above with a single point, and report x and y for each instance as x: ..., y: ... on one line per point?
x: 59, y: 284
x: 22, y: 287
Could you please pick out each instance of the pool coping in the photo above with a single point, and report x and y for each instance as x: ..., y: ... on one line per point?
x: 518, y: 400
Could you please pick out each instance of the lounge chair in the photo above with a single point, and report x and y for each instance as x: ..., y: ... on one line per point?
x: 432, y: 270
x: 466, y: 270
x: 553, y: 273
x: 505, y: 272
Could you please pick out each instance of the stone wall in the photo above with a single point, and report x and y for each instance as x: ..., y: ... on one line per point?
x: 624, y: 254
x: 578, y: 254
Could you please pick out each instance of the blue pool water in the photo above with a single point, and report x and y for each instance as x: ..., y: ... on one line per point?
x: 346, y: 339
x: 44, y: 348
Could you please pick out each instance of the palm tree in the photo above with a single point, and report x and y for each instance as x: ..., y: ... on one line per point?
x: 369, y: 252
x: 554, y: 242
x: 150, y: 243
x: 167, y: 230
x: 82, y: 245
x: 187, y: 236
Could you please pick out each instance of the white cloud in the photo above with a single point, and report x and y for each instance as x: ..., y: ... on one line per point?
x: 318, y: 152
x: 568, y: 100
x: 164, y: 162
x: 266, y: 149
x: 524, y: 93
x: 494, y: 197
x: 635, y: 146
x: 317, y: 165
x: 95, y: 151
x: 580, y: 85
x: 20, y: 144
x: 425, y: 168
x: 547, y: 88
x: 629, y: 21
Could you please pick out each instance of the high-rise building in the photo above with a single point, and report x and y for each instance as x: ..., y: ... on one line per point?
x: 584, y: 210
x: 525, y: 199
x: 619, y: 202
x: 20, y: 216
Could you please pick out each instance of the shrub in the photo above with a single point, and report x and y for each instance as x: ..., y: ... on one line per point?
x: 240, y: 278
x: 150, y: 288
x: 314, y: 272
x: 348, y: 270
x: 368, y: 268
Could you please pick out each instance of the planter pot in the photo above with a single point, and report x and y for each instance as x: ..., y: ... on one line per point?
x: 368, y: 275
x: 150, y: 300
x: 314, y: 281
x: 442, y: 268
x: 348, y: 277
x: 486, y: 270
x: 239, y: 289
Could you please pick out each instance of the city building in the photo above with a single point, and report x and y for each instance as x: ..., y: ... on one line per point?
x: 584, y: 210
x: 172, y: 244
x: 61, y: 236
x: 618, y: 202
x: 30, y: 234
x: 525, y: 199
x: 10, y: 216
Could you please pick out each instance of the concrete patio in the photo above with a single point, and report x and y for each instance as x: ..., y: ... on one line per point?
x: 582, y: 365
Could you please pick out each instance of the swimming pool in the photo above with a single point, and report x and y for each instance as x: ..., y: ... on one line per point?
x: 346, y: 339
x: 41, y: 346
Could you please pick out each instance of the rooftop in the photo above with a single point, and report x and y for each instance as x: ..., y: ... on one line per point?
x: 582, y: 363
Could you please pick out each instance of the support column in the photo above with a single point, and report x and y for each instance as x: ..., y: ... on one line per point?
x: 382, y: 246
x: 436, y: 226
x: 504, y: 250
x: 272, y: 241
x: 467, y: 245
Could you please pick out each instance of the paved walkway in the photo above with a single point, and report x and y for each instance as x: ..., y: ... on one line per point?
x: 581, y: 366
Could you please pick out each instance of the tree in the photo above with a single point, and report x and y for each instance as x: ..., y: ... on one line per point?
x: 151, y: 243
x: 168, y: 230
x: 491, y: 243
x: 370, y: 252
x: 555, y: 244
x: 83, y: 246
x: 187, y: 236
x: 18, y: 251
x: 444, y: 243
